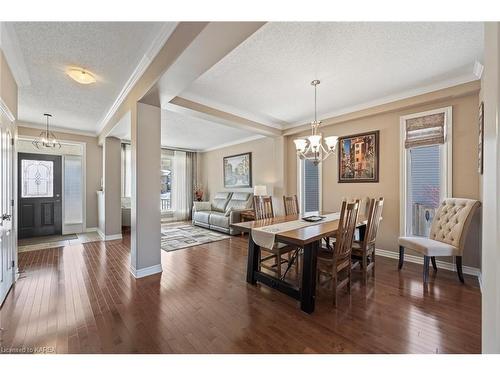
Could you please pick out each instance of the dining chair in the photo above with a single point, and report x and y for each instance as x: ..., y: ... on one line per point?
x: 291, y: 205
x: 447, y: 236
x: 264, y: 210
x: 365, y: 248
x: 333, y: 263
x: 263, y: 207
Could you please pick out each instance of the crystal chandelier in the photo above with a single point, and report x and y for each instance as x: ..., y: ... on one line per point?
x: 46, y: 138
x: 312, y: 147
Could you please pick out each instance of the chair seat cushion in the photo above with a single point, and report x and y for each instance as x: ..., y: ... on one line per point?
x: 219, y: 219
x: 426, y: 246
x: 201, y: 216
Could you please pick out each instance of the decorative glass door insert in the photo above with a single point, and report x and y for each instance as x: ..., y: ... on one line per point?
x: 37, y: 178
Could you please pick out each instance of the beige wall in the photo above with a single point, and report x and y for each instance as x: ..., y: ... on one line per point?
x: 465, y: 176
x: 8, y: 86
x: 265, y: 166
x: 112, y: 159
x: 93, y: 167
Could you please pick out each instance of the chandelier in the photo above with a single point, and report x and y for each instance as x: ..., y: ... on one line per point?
x: 312, y: 148
x: 46, y: 138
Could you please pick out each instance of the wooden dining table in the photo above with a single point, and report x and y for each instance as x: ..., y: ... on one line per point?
x: 309, y: 239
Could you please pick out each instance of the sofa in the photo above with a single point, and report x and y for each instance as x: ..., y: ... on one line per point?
x: 222, y: 211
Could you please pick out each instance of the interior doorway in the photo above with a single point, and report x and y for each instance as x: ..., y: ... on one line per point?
x: 39, y: 195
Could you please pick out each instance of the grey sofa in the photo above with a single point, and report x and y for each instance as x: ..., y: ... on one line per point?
x: 222, y: 211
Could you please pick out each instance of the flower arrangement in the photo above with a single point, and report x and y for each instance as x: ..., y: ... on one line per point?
x: 198, y: 193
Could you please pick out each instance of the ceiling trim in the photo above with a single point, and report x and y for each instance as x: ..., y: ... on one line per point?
x: 13, y: 54
x: 56, y: 129
x: 4, y: 108
x: 193, y: 109
x: 233, y: 143
x: 139, y: 70
x: 464, y: 89
x: 392, y: 98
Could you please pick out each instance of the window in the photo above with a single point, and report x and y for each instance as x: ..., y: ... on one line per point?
x: 73, y: 190
x: 167, y: 163
x: 37, y: 178
x: 126, y: 170
x: 426, y: 171
x: 309, y: 187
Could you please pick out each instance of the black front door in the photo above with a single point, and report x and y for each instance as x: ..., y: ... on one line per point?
x: 39, y: 192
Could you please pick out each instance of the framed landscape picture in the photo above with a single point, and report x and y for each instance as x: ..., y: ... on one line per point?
x: 480, y: 148
x: 238, y: 171
x: 358, y: 157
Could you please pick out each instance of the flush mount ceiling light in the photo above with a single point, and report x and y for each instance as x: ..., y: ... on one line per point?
x: 81, y: 76
x: 311, y: 148
x: 46, y: 139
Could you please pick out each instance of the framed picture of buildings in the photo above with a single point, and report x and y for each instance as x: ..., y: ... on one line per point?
x: 358, y: 159
x: 480, y: 148
x: 238, y: 171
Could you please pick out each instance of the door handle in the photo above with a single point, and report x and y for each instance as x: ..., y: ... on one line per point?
x: 6, y: 217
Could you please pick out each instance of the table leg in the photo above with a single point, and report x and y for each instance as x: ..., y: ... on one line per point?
x: 308, y: 287
x: 253, y: 260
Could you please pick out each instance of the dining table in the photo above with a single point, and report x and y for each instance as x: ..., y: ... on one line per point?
x: 307, y: 238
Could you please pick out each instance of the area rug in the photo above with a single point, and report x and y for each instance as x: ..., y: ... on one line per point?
x: 175, y: 237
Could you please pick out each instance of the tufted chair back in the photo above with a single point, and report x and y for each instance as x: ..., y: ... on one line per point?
x: 452, y: 220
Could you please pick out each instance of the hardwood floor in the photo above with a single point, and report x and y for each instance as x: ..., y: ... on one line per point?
x: 83, y: 299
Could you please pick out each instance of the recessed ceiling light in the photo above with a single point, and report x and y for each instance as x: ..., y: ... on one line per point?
x: 81, y: 76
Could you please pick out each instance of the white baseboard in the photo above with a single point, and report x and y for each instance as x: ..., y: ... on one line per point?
x: 143, y: 272
x: 112, y: 237
x: 420, y: 260
x: 92, y: 229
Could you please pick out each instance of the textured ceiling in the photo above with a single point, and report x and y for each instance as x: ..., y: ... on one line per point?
x: 192, y: 133
x: 267, y: 78
x: 111, y: 50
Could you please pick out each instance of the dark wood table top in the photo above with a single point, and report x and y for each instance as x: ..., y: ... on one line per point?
x: 301, y: 236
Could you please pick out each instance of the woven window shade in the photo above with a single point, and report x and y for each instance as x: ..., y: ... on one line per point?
x: 425, y: 130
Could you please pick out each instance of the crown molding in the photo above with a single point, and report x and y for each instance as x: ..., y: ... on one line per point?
x: 13, y: 54
x: 56, y: 129
x: 459, y: 86
x: 139, y: 70
x: 234, y: 143
x: 4, y: 108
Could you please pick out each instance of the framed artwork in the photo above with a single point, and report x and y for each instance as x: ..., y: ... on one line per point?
x: 480, y: 148
x: 238, y: 171
x: 358, y: 159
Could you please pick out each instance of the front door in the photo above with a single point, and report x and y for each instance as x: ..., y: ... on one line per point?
x: 7, y: 236
x: 39, y: 192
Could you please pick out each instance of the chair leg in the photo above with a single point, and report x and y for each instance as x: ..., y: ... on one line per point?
x: 433, y: 259
x: 401, y: 257
x: 365, y: 266
x: 373, y: 261
x: 349, y: 275
x: 334, y: 287
x: 458, y: 261
x: 426, y: 268
x: 278, y: 265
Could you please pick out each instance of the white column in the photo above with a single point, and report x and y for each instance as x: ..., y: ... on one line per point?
x: 490, y: 267
x: 146, y: 219
x: 112, y: 189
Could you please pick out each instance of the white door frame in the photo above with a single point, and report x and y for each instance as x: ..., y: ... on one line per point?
x: 9, y: 260
x: 84, y: 181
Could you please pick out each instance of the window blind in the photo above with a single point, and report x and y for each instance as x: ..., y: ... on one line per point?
x: 73, y: 190
x: 425, y: 131
x: 311, y: 186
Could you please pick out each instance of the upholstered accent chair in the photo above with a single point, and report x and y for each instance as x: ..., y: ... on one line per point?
x: 447, y: 236
x: 224, y: 210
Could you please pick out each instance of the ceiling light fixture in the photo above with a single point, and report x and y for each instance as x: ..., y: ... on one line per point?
x: 46, y: 139
x: 81, y: 76
x: 311, y: 148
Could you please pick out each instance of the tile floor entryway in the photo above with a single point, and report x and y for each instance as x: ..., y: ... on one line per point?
x: 51, y: 242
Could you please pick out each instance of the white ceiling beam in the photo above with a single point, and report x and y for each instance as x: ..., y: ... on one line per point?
x: 193, y: 109
x: 192, y: 49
